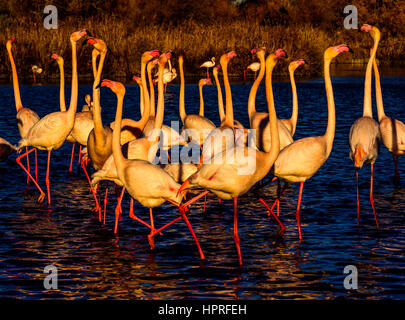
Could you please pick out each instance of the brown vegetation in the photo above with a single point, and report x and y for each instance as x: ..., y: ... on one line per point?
x: 198, y: 29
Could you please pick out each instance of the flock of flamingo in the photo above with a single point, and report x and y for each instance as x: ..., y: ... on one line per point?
x: 123, y: 151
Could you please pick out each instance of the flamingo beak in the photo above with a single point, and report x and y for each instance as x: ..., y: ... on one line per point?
x: 185, y: 185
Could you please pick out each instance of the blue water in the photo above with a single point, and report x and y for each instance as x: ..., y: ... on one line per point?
x: 93, y: 263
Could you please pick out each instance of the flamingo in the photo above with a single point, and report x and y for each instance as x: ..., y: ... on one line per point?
x: 36, y: 70
x: 149, y: 184
x: 198, y: 125
x: 365, y: 135
x: 50, y: 132
x: 99, y: 145
x: 6, y: 148
x: 169, y: 74
x: 392, y: 130
x: 291, y: 123
x: 144, y: 148
x: 26, y: 117
x: 221, y: 111
x: 208, y: 64
x: 233, y: 172
x: 300, y: 160
x: 259, y: 120
x: 170, y: 136
x: 255, y: 66
x: 224, y: 136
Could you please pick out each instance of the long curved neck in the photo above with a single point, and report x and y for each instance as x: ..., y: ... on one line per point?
x: 182, y: 109
x: 367, y: 107
x: 146, y: 100
x: 62, y: 88
x: 220, y: 99
x: 160, y: 103
x: 255, y: 86
x: 17, y: 97
x: 200, y: 87
x: 98, y: 122
x: 275, y: 140
x: 228, y: 96
x: 141, y: 99
x: 378, y: 94
x: 94, y: 56
x: 294, y: 114
x: 330, y: 129
x: 116, y: 144
x: 152, y: 91
x: 74, y: 92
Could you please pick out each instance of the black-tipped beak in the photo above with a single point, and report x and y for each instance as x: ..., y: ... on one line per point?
x: 350, y: 49
x: 98, y: 86
x: 286, y: 55
x: 306, y: 62
x: 89, y: 33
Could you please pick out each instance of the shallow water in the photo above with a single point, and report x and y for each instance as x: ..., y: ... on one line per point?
x: 93, y: 263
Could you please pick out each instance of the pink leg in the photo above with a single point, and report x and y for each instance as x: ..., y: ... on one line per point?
x: 271, y: 212
x: 71, y: 157
x: 117, y: 192
x: 80, y: 154
x: 371, y: 194
x: 133, y: 216
x: 28, y: 165
x: 235, y: 228
x: 97, y: 207
x: 184, y: 216
x: 358, y: 197
x: 105, y: 203
x: 18, y: 160
x: 152, y: 230
x: 298, y: 209
x: 47, y: 178
x: 117, y: 210
x: 36, y: 164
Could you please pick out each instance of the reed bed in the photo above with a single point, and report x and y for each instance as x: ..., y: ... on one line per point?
x: 195, y: 41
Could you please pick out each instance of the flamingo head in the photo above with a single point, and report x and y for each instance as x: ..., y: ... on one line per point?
x: 225, y: 58
x: 149, y: 55
x: 116, y: 87
x: 76, y: 36
x: 213, y: 59
x: 10, y: 42
x: 137, y: 79
x: 295, y: 64
x: 374, y: 32
x: 57, y: 57
x: 205, y: 81
x: 333, y: 52
x: 97, y: 44
x: 87, y: 98
x: 280, y: 53
x: 164, y: 57
x: 366, y: 27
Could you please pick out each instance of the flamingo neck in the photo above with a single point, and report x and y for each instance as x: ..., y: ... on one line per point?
x: 378, y: 94
x: 17, y: 96
x: 62, y: 88
x: 255, y: 86
x: 116, y: 144
x: 182, y: 109
x: 200, y: 87
x: 146, y: 100
x: 220, y: 99
x: 141, y: 102
x: 160, y: 104
x: 98, y: 122
x: 367, y: 106
x: 152, y: 92
x: 228, y: 96
x: 273, y: 121
x: 330, y: 129
x: 94, y: 62
x: 294, y: 114
x: 74, y: 92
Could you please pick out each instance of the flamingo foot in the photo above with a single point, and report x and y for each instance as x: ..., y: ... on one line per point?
x: 41, y: 198
x: 151, y: 241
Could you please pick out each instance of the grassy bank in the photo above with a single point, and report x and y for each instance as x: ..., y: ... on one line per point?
x: 197, y: 42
